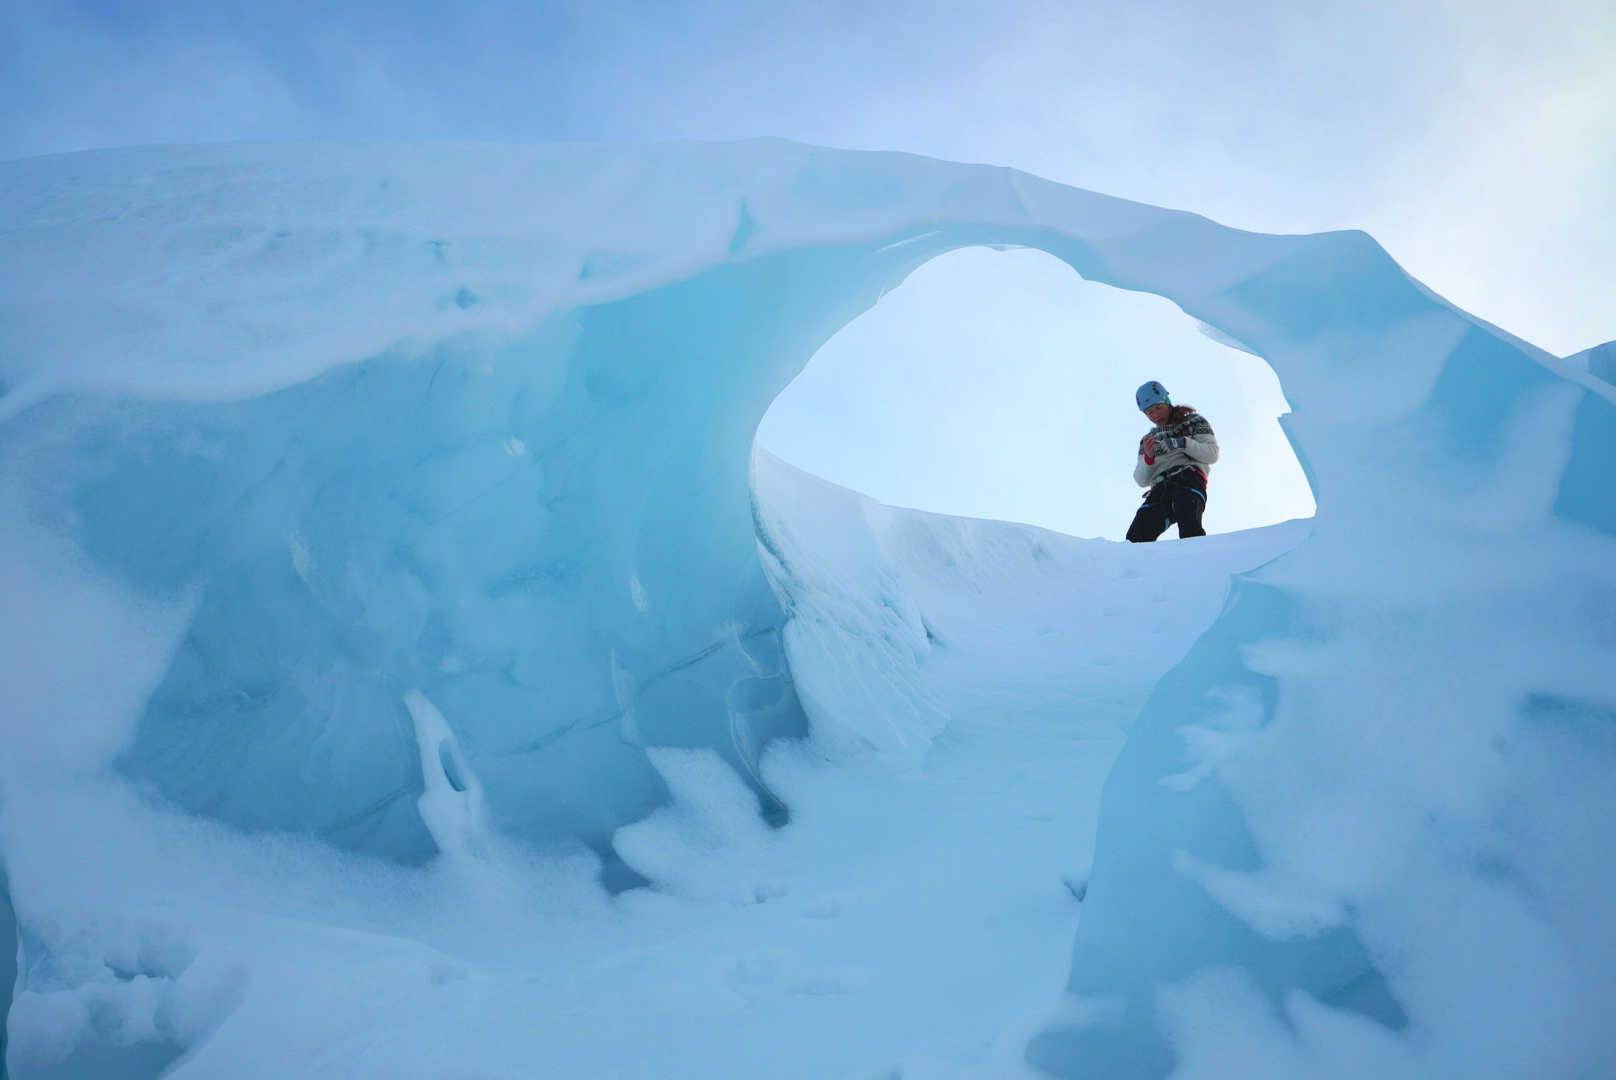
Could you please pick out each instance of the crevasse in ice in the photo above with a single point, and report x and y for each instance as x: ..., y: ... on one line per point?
x: 422, y: 474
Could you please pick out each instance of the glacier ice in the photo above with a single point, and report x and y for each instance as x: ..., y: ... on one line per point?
x: 399, y: 498
x: 1599, y: 361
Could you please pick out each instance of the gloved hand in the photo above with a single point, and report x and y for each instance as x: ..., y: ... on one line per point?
x: 1147, y: 448
x: 1175, y: 442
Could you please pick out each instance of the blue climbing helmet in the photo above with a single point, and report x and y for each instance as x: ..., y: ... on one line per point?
x: 1152, y: 393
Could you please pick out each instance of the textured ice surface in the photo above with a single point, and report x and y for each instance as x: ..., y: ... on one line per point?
x: 1599, y: 361
x: 397, y: 498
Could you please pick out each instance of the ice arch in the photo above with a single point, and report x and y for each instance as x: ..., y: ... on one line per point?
x: 468, y: 427
x: 1039, y: 366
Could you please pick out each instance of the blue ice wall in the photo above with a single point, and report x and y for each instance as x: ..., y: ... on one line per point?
x: 550, y: 538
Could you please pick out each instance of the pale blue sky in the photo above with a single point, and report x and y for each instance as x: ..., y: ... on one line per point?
x: 1475, y: 140
x: 1005, y: 388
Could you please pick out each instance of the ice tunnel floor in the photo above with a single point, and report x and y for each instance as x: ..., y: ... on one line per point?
x: 917, y: 923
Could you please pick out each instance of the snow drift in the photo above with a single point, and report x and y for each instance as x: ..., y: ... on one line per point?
x: 398, y: 497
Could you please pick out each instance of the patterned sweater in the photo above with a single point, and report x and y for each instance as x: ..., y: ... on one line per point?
x: 1188, y: 442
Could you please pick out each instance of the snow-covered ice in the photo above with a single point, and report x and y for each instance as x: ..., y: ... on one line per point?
x: 410, y: 668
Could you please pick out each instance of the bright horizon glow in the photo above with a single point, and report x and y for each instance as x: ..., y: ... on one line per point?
x: 1017, y: 344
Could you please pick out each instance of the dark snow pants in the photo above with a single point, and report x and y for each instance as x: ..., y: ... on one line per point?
x: 1179, y: 497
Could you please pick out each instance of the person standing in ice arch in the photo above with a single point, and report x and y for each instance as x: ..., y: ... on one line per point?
x: 1175, y: 462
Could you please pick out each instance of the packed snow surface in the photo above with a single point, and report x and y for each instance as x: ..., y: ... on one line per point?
x: 912, y: 916
x: 408, y: 670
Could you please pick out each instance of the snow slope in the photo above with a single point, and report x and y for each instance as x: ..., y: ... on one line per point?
x: 378, y: 531
x: 914, y: 916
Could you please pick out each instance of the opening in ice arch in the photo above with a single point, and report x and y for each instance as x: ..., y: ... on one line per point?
x: 993, y: 385
x: 999, y: 384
